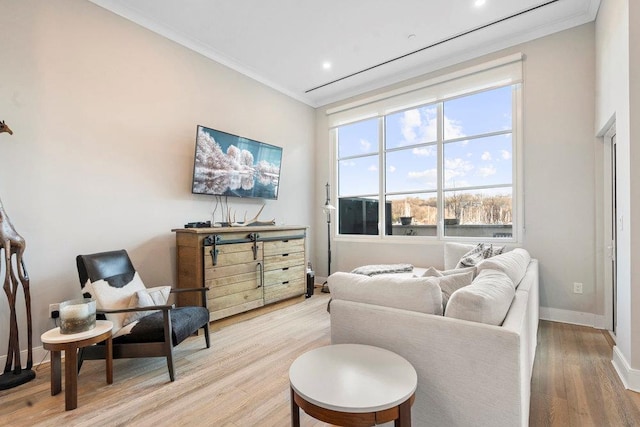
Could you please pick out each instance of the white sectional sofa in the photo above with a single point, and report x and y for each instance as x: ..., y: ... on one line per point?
x: 469, y: 373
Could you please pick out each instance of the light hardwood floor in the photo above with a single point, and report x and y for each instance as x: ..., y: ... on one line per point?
x: 242, y: 381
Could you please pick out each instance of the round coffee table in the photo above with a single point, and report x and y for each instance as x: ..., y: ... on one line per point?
x: 57, y: 342
x: 352, y: 385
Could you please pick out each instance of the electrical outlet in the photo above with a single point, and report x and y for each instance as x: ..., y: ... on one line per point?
x: 54, y: 311
x: 577, y: 288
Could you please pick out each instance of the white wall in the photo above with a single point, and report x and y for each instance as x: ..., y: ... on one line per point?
x: 634, y: 196
x: 559, y: 167
x: 104, y: 114
x: 612, y: 89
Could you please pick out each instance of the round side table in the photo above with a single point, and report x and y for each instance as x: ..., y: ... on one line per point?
x: 57, y: 342
x: 352, y: 385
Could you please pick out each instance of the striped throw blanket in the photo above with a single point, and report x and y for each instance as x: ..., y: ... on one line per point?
x: 372, y: 270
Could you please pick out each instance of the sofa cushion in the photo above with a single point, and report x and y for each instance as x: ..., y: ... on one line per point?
x: 421, y: 294
x: 486, y: 300
x: 513, y: 264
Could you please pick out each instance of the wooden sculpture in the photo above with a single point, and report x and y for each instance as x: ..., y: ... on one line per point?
x: 13, y: 244
x: 5, y: 128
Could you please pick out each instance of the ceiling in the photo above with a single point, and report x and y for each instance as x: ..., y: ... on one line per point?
x: 369, y: 43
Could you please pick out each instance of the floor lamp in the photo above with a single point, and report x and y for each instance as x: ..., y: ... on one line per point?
x: 327, y: 209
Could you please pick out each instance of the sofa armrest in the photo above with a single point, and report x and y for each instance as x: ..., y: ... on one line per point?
x: 468, y: 373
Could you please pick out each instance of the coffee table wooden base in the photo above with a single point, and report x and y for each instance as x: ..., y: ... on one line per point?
x: 401, y: 414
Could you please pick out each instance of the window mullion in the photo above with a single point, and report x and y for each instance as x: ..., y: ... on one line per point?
x: 440, y: 194
x: 382, y: 178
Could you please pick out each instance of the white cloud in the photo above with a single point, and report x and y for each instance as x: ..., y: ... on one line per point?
x: 418, y: 125
x: 455, y: 169
x: 427, y: 178
x: 505, y: 154
x: 424, y: 151
x: 452, y: 129
x: 410, y: 122
x: 486, y: 156
x: 347, y: 163
x: 488, y: 171
x: 428, y: 173
x: 391, y: 169
x: 372, y: 168
x: 365, y: 145
x: 469, y: 154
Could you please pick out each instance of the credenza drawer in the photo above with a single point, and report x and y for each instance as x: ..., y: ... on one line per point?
x: 276, y: 262
x: 284, y: 275
x: 280, y: 247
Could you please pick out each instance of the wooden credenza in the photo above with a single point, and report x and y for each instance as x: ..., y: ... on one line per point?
x: 244, y: 267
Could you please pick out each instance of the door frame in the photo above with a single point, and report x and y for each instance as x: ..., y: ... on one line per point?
x: 608, y: 223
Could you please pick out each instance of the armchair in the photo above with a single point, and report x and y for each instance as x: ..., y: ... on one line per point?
x: 154, y: 334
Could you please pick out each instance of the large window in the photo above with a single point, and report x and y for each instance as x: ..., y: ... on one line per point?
x: 444, y: 169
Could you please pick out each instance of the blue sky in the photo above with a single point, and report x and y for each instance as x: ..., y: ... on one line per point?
x: 467, y: 162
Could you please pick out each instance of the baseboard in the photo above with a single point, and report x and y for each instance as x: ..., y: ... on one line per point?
x: 630, y: 377
x: 573, y: 317
x: 40, y: 355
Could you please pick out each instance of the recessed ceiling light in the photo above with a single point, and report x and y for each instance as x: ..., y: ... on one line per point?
x: 411, y: 36
x: 479, y: 3
x: 326, y: 65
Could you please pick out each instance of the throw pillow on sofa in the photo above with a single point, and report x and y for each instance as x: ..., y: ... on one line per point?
x: 454, y: 252
x: 421, y: 294
x: 451, y: 283
x: 486, y: 300
x: 473, y: 257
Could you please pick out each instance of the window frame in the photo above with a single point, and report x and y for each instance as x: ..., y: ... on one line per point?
x: 516, y: 179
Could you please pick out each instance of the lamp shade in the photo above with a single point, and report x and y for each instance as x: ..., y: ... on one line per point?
x: 328, y: 208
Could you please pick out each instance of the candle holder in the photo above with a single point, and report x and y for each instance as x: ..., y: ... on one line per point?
x: 77, y: 315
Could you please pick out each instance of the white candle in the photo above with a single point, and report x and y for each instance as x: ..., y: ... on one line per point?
x: 76, y: 311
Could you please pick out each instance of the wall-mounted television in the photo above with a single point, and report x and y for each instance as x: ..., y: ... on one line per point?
x: 230, y: 165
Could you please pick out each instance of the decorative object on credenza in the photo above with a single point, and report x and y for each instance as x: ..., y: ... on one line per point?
x: 14, y: 244
x: 229, y: 216
x: 5, y: 128
x: 247, y: 223
x: 198, y: 224
x: 327, y: 209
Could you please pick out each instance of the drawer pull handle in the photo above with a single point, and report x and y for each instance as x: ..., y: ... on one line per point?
x: 285, y: 269
x: 285, y: 254
x: 285, y: 241
x: 284, y: 283
x: 261, y: 282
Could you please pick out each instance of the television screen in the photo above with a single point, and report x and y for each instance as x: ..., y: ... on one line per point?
x: 230, y: 165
